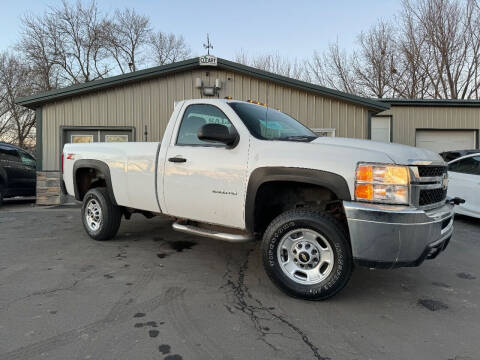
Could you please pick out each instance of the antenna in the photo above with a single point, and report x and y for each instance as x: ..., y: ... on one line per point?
x: 208, y: 45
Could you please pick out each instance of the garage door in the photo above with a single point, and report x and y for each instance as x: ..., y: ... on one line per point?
x: 445, y: 140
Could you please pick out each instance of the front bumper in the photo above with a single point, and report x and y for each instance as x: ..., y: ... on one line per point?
x: 387, y: 236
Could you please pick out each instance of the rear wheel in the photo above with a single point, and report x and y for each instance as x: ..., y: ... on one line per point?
x: 101, y: 218
x: 307, y: 254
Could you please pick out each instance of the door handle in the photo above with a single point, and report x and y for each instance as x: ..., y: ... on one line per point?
x: 177, y: 159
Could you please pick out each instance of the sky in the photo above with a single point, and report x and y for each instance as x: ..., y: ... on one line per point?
x: 294, y: 29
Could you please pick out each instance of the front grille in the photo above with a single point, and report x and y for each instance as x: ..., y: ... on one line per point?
x: 431, y: 196
x: 431, y: 171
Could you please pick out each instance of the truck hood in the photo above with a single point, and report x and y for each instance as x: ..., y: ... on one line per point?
x: 400, y: 154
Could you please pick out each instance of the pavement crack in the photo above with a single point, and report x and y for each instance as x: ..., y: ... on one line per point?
x: 45, y: 292
x: 256, y: 311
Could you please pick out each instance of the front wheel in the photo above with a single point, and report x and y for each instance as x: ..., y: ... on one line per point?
x: 307, y: 254
x: 101, y: 218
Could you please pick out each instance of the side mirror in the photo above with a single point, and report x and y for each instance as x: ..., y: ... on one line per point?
x: 217, y: 133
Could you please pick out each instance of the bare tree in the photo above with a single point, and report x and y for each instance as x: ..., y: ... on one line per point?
x: 431, y: 50
x: 168, y: 48
x: 66, y: 45
x: 274, y: 63
x: 412, y: 60
x: 76, y: 32
x: 450, y: 30
x: 374, y: 64
x: 333, y: 69
x: 36, y: 46
x: 126, y: 37
x: 17, y: 122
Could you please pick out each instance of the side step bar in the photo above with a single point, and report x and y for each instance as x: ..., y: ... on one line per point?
x: 195, y: 230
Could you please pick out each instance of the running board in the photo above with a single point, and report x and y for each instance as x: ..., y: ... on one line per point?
x: 195, y: 230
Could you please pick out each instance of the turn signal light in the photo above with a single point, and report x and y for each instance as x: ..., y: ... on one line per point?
x: 364, y: 191
x: 365, y: 173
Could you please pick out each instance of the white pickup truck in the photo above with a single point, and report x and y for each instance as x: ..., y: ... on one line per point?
x: 238, y: 171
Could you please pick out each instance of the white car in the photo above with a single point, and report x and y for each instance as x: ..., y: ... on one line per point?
x: 464, y: 182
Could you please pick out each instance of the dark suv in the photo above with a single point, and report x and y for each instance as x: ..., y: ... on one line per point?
x: 17, y: 172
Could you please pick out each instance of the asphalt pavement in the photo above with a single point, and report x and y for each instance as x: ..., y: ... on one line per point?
x: 153, y: 293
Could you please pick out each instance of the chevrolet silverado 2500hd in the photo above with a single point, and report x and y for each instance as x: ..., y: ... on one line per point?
x: 235, y: 171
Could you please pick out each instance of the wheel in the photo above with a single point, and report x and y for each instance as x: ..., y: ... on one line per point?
x: 1, y: 196
x: 101, y: 218
x: 307, y: 254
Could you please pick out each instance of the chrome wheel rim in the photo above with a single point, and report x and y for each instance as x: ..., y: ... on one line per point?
x: 93, y: 215
x: 305, y: 256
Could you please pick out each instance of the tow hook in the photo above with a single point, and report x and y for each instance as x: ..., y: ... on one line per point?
x: 456, y: 201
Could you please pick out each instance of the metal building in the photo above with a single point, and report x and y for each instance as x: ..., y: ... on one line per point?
x: 137, y: 106
x: 438, y: 125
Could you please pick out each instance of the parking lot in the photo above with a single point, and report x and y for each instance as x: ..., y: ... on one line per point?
x: 153, y: 293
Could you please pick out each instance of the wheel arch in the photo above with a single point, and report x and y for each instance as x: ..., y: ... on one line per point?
x: 98, y: 166
x: 335, y: 183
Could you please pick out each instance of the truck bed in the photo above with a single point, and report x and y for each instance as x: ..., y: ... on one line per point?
x: 133, y: 168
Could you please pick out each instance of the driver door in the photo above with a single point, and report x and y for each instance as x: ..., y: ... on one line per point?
x: 205, y: 181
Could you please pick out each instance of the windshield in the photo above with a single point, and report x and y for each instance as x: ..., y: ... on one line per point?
x: 269, y: 124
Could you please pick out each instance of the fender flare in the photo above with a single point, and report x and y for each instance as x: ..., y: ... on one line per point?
x: 333, y: 182
x: 97, y: 165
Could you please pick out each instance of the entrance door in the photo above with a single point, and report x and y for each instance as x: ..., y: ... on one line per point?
x: 381, y: 128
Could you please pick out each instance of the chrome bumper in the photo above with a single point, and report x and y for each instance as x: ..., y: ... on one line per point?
x: 386, y: 236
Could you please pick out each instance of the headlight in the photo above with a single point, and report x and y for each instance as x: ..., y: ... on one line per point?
x: 382, y: 183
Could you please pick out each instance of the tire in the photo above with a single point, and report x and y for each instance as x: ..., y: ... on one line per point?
x: 100, y: 217
x: 1, y: 196
x: 307, y: 254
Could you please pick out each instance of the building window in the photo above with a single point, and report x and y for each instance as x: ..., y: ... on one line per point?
x: 324, y: 132
x: 75, y: 139
x: 116, y: 138
x: 380, y: 129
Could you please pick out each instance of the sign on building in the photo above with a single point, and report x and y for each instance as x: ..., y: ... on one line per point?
x: 208, y: 60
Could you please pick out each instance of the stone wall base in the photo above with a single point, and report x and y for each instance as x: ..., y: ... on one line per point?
x: 48, y: 188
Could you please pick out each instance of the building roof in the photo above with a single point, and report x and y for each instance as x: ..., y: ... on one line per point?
x: 38, y: 99
x: 432, y: 102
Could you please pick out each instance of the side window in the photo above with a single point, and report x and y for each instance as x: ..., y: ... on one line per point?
x: 27, y: 159
x: 470, y: 165
x: 194, y: 117
x: 8, y: 153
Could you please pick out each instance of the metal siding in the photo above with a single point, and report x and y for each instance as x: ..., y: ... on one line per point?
x: 406, y: 119
x: 150, y: 103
